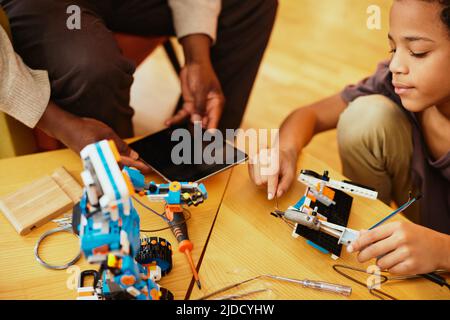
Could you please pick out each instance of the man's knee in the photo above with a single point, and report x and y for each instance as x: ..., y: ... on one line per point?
x: 112, y: 71
x: 97, y: 87
x: 367, y: 119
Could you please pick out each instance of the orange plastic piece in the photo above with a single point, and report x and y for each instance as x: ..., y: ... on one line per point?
x: 85, y: 294
x: 101, y: 250
x: 185, y: 245
x: 311, y: 197
x: 328, y: 193
x: 128, y: 280
x: 154, y: 294
x: 171, y: 208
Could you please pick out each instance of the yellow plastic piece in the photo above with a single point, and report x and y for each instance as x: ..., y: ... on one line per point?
x: 175, y: 186
x: 112, y: 261
x: 114, y: 150
x: 128, y: 183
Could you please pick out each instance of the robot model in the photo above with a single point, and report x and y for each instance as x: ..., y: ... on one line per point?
x: 323, y: 203
x: 109, y: 229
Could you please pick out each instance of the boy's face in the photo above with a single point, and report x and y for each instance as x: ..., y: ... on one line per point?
x: 420, y: 64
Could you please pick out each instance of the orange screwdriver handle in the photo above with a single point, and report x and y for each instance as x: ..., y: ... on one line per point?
x: 179, y: 229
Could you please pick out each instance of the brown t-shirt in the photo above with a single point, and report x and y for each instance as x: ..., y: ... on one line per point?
x: 431, y: 177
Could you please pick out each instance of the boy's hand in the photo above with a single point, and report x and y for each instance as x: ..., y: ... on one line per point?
x: 403, y: 248
x: 274, y: 168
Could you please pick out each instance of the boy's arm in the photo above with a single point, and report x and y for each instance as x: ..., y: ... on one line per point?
x: 301, y: 125
x: 295, y: 134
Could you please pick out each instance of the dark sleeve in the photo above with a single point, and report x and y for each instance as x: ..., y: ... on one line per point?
x: 378, y: 83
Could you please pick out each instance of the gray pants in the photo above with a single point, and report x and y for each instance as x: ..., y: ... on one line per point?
x: 375, y: 145
x: 91, y: 78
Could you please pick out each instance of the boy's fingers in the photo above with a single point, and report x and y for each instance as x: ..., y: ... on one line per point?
x: 250, y: 171
x: 285, y: 181
x: 400, y: 269
x: 392, y: 259
x: 256, y: 172
x: 367, y: 238
x: 377, y: 249
x: 272, y: 186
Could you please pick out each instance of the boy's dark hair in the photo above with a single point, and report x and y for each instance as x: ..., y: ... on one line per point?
x: 445, y: 15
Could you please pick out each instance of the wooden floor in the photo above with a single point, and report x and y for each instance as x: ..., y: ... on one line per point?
x: 317, y: 47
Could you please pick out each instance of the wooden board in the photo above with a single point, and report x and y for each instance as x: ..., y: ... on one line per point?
x: 34, y: 205
x: 68, y: 184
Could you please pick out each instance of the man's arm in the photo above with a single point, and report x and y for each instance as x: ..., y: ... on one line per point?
x: 195, y: 17
x: 196, y: 27
x: 24, y: 93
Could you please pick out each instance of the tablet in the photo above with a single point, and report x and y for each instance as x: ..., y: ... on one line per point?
x: 187, y: 153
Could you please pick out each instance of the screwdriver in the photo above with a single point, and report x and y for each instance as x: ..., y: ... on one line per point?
x: 317, y: 285
x: 179, y: 229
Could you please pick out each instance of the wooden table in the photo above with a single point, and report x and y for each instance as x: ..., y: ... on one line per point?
x: 244, y: 241
x: 247, y: 241
x: 22, y: 277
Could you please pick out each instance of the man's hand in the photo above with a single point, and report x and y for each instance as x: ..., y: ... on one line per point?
x: 76, y: 133
x: 404, y: 248
x: 201, y: 89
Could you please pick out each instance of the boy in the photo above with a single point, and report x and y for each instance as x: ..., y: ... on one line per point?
x: 394, y: 135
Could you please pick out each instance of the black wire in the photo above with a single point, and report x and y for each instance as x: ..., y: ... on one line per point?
x: 162, y: 216
x: 434, y: 277
x: 375, y: 292
x: 170, y: 227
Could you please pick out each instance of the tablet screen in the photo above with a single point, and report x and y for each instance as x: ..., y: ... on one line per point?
x: 187, y: 153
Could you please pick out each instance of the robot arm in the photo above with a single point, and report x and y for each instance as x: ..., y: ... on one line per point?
x: 109, y: 226
x: 345, y: 236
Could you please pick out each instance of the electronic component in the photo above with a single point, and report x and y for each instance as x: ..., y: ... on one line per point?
x: 322, y: 214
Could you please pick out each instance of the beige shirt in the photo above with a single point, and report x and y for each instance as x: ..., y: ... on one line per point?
x: 195, y: 16
x: 25, y: 93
